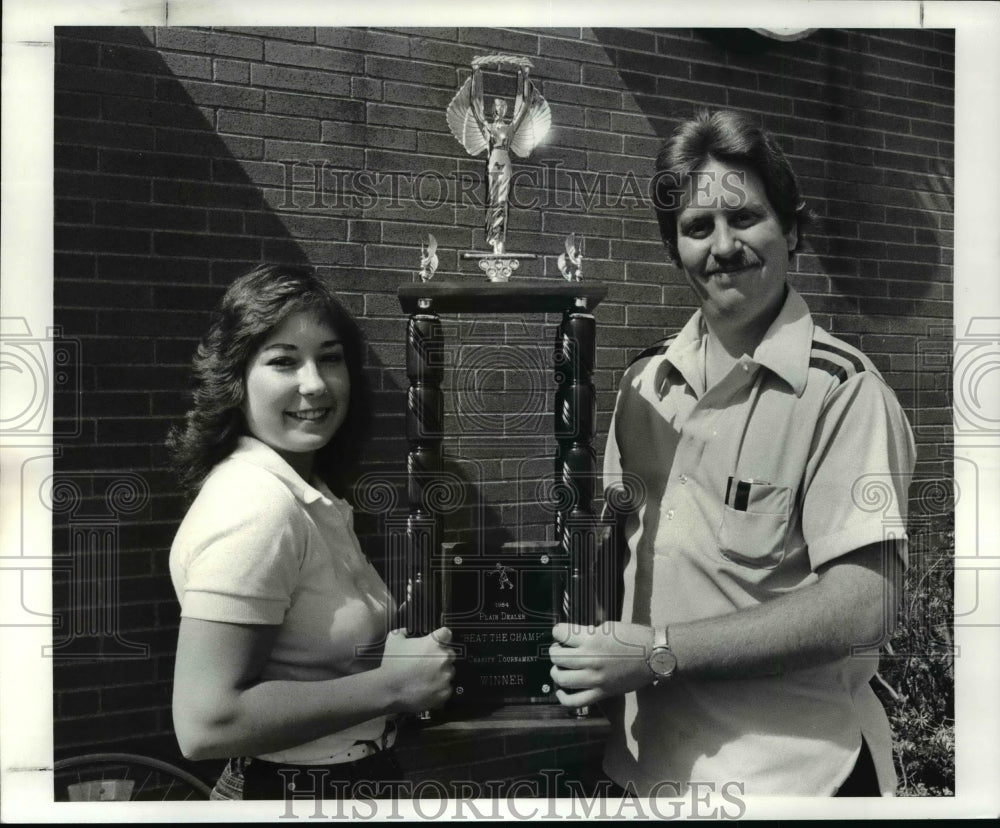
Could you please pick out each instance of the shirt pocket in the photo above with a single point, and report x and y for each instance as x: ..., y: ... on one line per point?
x: 754, y: 523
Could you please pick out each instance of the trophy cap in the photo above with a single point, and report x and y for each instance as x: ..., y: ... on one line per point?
x: 518, y: 61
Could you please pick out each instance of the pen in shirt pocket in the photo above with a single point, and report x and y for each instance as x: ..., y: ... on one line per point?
x: 738, y: 491
x: 749, y: 480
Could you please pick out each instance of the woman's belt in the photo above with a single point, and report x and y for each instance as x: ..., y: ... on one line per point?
x: 361, y: 749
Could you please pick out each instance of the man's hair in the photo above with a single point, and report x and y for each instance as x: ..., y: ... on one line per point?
x: 251, y: 308
x: 729, y: 138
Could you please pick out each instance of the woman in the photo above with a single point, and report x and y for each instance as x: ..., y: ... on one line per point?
x: 280, y: 653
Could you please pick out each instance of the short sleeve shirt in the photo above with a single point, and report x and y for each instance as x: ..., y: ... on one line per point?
x: 799, y: 455
x: 259, y: 545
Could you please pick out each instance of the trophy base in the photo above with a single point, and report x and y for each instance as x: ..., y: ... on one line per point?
x: 501, y: 747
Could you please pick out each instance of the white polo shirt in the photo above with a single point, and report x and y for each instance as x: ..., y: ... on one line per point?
x: 259, y: 545
x: 799, y: 455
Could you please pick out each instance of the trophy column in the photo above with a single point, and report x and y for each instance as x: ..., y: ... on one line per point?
x: 575, y: 467
x: 424, y: 432
x: 500, y: 597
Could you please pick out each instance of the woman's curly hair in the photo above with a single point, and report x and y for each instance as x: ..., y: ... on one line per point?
x: 251, y: 308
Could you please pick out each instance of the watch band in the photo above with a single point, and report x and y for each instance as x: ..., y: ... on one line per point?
x: 660, y: 637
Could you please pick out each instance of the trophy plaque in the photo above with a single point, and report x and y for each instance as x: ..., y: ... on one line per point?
x: 501, y: 599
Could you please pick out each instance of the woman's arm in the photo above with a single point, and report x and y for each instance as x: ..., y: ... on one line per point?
x: 221, y: 708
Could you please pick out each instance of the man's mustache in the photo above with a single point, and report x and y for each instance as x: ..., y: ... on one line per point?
x: 741, y: 261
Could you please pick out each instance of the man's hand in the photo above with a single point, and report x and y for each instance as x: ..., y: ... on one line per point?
x: 594, y: 663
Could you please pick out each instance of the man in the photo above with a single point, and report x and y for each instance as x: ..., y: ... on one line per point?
x: 761, y: 575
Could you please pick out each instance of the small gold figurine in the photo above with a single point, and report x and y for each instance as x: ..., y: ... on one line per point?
x: 428, y: 259
x: 571, y: 262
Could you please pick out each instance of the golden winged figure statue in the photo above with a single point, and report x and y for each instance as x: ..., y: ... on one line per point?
x: 520, y: 134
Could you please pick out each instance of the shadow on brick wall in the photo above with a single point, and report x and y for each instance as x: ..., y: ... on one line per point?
x: 156, y: 211
x: 870, y: 144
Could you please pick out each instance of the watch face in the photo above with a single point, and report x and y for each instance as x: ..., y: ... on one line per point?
x: 662, y: 662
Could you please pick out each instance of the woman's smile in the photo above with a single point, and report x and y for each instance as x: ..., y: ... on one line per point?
x: 309, y: 415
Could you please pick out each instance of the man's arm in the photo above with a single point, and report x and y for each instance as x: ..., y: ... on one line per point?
x: 851, y: 605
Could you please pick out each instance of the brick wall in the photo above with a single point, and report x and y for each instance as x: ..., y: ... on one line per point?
x: 184, y: 156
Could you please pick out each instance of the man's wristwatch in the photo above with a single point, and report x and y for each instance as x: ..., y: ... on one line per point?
x: 661, y: 661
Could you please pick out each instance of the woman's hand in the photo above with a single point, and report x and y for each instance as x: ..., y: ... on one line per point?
x: 419, y: 670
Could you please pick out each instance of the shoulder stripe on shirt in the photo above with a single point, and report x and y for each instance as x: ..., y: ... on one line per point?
x: 839, y: 371
x: 658, y: 349
x: 843, y: 353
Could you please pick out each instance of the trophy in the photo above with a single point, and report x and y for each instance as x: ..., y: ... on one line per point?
x: 501, y: 600
x: 498, y: 136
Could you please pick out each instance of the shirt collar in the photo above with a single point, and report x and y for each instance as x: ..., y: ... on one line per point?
x: 786, y: 345
x: 252, y: 450
x: 784, y: 349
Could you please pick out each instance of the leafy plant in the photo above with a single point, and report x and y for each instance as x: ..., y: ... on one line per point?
x: 916, y: 680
